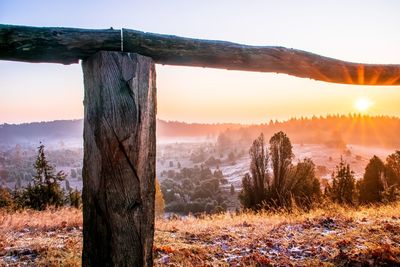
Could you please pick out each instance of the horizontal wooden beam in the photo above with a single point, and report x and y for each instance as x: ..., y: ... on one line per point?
x: 69, y: 45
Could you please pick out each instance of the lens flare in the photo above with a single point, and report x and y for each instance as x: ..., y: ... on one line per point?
x: 362, y: 104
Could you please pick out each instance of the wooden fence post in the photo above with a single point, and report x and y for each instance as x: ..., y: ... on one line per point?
x: 119, y: 159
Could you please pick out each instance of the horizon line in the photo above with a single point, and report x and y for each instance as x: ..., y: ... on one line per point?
x: 275, y: 120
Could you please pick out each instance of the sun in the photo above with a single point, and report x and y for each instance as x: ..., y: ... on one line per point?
x: 362, y: 104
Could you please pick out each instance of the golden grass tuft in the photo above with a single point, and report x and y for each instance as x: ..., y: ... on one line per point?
x: 40, y: 220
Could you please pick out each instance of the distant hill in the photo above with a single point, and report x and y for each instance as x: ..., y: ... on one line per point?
x: 27, y: 133
x: 182, y: 129
x: 62, y: 130
x: 330, y: 130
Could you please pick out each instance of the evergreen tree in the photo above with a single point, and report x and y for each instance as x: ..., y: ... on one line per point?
x: 255, y: 184
x: 232, y: 189
x: 67, y: 186
x: 374, y: 181
x: 289, y: 182
x: 46, y: 189
x: 305, y: 187
x: 281, y: 159
x: 223, y: 142
x: 73, y: 173
x: 18, y: 183
x: 246, y: 195
x: 393, y: 169
x: 343, y: 184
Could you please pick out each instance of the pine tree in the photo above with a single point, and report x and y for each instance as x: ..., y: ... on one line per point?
x: 393, y: 169
x: 232, y: 189
x: 289, y: 182
x: 67, y: 186
x: 73, y: 173
x: 374, y: 181
x: 256, y: 183
x: 18, y: 183
x: 281, y: 158
x: 343, y: 184
x: 246, y: 195
x: 46, y: 189
x: 305, y: 187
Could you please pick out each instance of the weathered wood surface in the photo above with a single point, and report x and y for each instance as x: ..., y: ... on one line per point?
x: 68, y: 45
x: 119, y: 159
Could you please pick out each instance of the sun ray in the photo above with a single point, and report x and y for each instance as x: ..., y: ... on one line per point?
x: 393, y: 80
x: 375, y: 77
x: 360, y: 74
x: 377, y: 133
x: 346, y: 73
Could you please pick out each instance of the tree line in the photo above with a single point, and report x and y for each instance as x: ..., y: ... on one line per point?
x: 275, y: 182
x: 331, y: 130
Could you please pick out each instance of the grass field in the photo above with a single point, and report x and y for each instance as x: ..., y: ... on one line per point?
x: 329, y: 236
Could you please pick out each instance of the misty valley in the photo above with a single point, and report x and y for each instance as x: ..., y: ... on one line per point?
x: 200, y: 167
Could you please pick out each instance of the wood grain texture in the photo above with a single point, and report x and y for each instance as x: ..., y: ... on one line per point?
x: 68, y: 45
x: 119, y: 159
x: 54, y: 45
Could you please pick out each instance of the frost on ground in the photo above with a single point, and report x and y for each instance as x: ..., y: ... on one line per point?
x: 333, y: 236
x: 47, y: 238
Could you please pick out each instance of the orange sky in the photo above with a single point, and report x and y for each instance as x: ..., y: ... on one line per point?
x: 359, y: 31
x: 258, y: 97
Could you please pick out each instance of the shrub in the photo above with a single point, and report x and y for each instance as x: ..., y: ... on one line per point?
x: 75, y: 198
x: 6, y: 198
x: 390, y: 194
x: 211, y: 161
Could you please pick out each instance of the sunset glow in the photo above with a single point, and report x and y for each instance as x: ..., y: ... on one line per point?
x: 362, y: 104
x: 45, y: 92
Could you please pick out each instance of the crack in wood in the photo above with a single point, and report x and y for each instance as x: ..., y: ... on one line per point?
x: 119, y: 210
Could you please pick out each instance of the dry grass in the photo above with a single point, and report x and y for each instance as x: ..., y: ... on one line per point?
x: 329, y: 236
x: 40, y: 220
x: 332, y: 235
x: 47, y: 238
